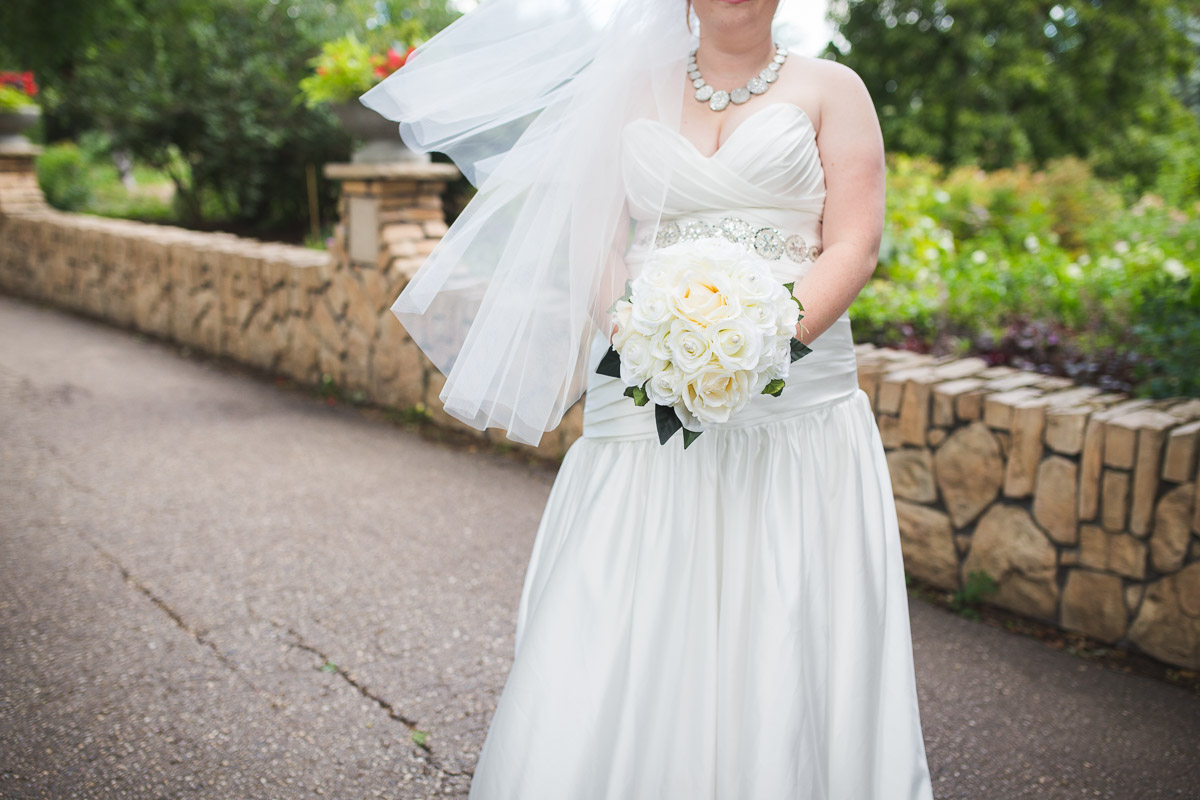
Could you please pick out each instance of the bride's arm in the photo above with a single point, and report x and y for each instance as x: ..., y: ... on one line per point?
x: 851, y: 149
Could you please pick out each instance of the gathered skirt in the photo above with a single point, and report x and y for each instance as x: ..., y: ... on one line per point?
x: 725, y: 622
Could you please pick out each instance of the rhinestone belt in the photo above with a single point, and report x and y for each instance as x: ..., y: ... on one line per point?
x: 768, y: 242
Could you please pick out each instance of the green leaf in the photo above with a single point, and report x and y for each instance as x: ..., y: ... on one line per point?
x: 610, y: 364
x: 689, y: 437
x: 419, y: 737
x: 667, y: 421
x: 775, y: 387
x: 791, y: 286
x: 799, y: 349
x: 638, y: 393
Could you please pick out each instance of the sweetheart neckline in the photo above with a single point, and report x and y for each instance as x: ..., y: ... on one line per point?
x: 721, y: 147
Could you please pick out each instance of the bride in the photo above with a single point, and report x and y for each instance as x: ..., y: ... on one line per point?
x: 727, y: 622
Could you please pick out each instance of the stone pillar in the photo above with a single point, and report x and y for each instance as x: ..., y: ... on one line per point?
x: 391, y: 214
x: 19, y: 190
x: 390, y: 219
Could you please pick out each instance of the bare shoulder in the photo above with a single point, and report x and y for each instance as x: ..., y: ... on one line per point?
x: 829, y: 70
x: 823, y: 87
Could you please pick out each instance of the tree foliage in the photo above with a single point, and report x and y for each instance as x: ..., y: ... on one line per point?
x: 46, y: 37
x: 204, y: 89
x: 1001, y: 82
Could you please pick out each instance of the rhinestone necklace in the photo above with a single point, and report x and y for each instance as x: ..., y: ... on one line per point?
x: 719, y: 99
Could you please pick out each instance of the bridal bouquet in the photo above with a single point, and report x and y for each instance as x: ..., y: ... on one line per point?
x: 702, y: 329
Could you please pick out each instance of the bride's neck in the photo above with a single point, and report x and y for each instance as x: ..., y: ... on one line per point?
x: 734, y: 55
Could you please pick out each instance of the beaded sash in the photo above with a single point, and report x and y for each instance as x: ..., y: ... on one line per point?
x: 765, y: 241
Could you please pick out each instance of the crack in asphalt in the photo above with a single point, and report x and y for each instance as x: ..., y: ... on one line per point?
x: 162, y: 605
x: 172, y: 614
x: 385, y: 705
x: 296, y: 641
x: 151, y: 595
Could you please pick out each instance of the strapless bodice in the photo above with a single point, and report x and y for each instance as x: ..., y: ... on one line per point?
x: 767, y: 172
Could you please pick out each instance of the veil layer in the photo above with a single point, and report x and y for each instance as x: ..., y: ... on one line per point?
x: 529, y: 98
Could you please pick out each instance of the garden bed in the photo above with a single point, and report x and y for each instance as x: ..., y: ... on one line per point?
x: 1050, y: 271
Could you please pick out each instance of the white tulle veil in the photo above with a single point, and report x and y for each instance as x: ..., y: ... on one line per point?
x: 529, y: 99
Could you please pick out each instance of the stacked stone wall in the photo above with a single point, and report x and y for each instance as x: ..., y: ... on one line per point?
x: 1080, y: 504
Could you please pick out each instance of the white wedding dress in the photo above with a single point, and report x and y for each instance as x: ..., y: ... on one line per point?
x: 728, y: 622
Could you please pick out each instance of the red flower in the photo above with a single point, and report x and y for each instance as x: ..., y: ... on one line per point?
x: 387, y: 64
x: 21, y: 81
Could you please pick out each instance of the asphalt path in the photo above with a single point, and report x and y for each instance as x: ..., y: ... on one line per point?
x: 214, y: 586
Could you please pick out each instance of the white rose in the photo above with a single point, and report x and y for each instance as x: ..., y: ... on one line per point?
x: 666, y: 386
x: 736, y: 344
x: 659, y: 272
x: 621, y: 315
x: 780, y: 363
x: 713, y: 394
x: 651, y: 309
x: 703, y: 297
x: 762, y: 315
x: 756, y: 282
x: 690, y: 348
x: 660, y: 345
x: 688, y: 419
x: 787, y: 315
x: 637, y: 361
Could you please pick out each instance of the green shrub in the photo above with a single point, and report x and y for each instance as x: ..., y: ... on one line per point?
x: 1044, y: 270
x: 62, y: 173
x: 1167, y: 329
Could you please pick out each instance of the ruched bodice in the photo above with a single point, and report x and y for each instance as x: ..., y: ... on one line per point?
x: 769, y: 164
x: 768, y: 172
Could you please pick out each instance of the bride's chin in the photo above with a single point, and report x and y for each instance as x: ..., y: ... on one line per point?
x: 742, y: 4
x: 748, y: 7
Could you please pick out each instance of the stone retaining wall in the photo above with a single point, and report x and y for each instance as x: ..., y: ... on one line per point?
x: 1081, y: 505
